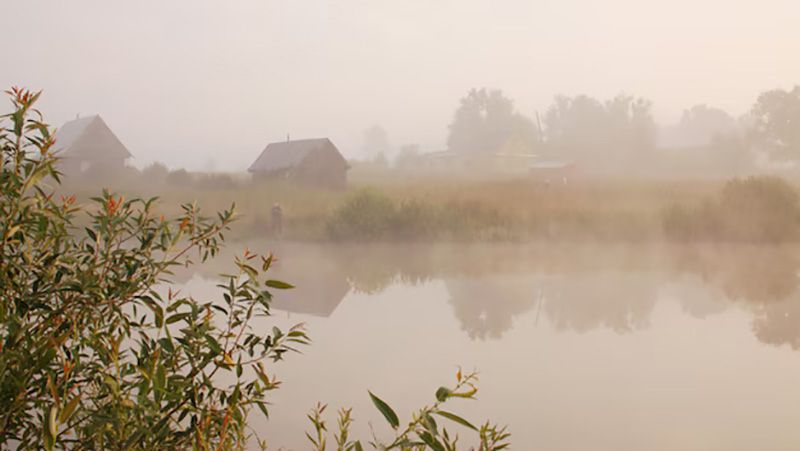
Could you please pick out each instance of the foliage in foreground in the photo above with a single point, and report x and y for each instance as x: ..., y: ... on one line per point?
x: 421, y: 432
x: 97, y: 351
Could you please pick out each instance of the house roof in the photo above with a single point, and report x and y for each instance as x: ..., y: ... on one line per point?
x: 92, y: 128
x: 282, y: 155
x: 71, y: 131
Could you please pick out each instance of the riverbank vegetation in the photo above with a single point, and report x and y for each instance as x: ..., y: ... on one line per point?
x: 466, y: 209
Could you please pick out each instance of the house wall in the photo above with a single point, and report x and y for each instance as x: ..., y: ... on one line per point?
x: 324, y: 168
x: 97, y: 149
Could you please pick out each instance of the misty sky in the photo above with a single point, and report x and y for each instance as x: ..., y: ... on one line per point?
x: 188, y: 82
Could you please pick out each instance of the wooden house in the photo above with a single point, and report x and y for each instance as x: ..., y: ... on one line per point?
x: 314, y: 162
x: 87, y: 144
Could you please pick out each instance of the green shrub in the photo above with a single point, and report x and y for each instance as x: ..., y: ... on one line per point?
x: 415, y: 220
x: 756, y: 210
x: 365, y: 215
x: 369, y: 215
x: 94, y: 354
x: 472, y: 220
x: 760, y: 209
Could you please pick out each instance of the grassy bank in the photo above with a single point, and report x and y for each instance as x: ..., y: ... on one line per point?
x: 459, y: 209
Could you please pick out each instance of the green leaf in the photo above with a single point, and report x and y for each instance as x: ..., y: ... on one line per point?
x: 166, y: 344
x: 213, y: 344
x: 68, y: 409
x: 387, y: 411
x: 160, y: 379
x: 263, y: 407
x: 431, y: 441
x: 442, y: 394
x: 177, y: 317
x: 278, y: 284
x: 456, y: 418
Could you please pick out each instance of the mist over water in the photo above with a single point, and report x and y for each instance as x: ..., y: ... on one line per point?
x: 579, y: 346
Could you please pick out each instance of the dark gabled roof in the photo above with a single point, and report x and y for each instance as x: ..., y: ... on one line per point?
x: 73, y: 131
x: 288, y: 154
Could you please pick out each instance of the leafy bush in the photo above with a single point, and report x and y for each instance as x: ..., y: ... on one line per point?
x: 369, y: 215
x: 97, y: 351
x: 756, y: 209
x: 94, y: 354
x: 760, y: 209
x: 366, y: 215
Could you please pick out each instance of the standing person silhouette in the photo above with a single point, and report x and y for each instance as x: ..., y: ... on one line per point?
x: 277, y: 219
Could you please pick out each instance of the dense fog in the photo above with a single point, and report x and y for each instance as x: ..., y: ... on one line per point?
x: 205, y: 86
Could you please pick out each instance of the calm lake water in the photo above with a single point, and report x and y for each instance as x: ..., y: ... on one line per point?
x: 578, y: 347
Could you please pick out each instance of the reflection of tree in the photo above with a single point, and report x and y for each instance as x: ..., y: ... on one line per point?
x: 752, y: 274
x: 779, y: 323
x: 486, y: 306
x: 767, y: 280
x: 577, y: 290
x: 371, y: 269
x: 761, y: 276
x: 698, y: 299
x: 621, y: 301
x: 764, y: 279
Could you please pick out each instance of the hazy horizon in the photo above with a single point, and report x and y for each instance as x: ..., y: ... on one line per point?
x: 188, y: 82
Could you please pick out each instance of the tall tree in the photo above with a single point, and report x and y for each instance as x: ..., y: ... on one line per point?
x: 583, y: 128
x: 700, y: 125
x: 486, y: 121
x: 776, y: 127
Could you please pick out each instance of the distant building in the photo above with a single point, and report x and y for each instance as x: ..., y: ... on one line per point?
x: 315, y: 162
x: 87, y: 144
x: 552, y: 171
x: 487, y: 163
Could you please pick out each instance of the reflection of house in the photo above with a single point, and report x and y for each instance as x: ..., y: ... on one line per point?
x: 316, y: 293
x: 88, y: 144
x: 320, y: 284
x: 308, y: 161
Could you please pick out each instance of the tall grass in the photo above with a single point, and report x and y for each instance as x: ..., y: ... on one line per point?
x: 402, y: 208
x: 753, y: 210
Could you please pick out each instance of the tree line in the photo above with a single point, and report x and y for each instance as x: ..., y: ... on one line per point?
x: 588, y: 130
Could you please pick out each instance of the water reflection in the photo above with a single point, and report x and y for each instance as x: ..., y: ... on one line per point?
x: 486, y: 306
x: 573, y: 288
